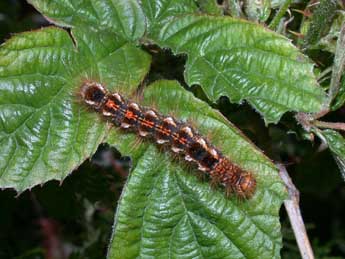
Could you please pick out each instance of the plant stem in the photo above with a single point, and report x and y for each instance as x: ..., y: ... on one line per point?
x: 295, y: 216
x: 324, y: 73
x: 329, y: 125
x: 338, y: 67
x: 282, y: 10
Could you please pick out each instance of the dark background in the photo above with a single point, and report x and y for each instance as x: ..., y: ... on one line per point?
x: 73, y: 219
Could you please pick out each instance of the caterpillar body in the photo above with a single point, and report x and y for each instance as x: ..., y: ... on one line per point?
x: 180, y: 137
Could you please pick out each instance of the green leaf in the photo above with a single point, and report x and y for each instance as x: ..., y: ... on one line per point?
x: 329, y: 42
x: 338, y: 67
x: 235, y: 8
x: 242, y: 60
x: 336, y: 144
x: 45, y: 131
x: 280, y: 3
x: 321, y: 21
x: 159, y: 12
x: 167, y: 212
x: 339, y: 100
x: 123, y: 17
x: 210, y: 7
x: 258, y: 10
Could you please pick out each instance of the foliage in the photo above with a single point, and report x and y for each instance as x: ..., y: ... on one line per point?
x: 231, y: 66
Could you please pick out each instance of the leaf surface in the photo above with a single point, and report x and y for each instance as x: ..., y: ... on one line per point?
x: 210, y: 7
x: 336, y: 144
x: 159, y: 12
x: 243, y: 61
x: 45, y: 131
x: 166, y: 211
x: 123, y: 17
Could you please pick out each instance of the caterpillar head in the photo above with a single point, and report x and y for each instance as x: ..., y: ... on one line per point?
x: 93, y: 94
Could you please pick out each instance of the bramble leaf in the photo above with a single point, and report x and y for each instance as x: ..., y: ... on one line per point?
x: 339, y: 99
x: 123, y: 17
x: 159, y: 12
x: 210, y: 7
x: 336, y: 144
x: 166, y: 211
x: 45, y: 132
x: 244, y: 61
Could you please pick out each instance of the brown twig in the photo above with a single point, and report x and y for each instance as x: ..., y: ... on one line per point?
x: 52, y: 243
x: 329, y: 125
x: 293, y: 210
x: 308, y: 121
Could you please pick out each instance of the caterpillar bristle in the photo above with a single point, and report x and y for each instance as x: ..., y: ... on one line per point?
x: 181, y: 138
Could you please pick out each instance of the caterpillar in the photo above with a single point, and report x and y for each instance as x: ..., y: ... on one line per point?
x: 178, y: 136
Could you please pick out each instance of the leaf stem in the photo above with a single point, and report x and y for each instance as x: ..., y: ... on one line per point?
x: 309, y: 121
x: 281, y: 12
x: 338, y: 67
x: 294, y: 212
x: 324, y: 73
x: 329, y: 125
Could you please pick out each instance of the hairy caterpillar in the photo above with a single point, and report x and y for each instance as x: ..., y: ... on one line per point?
x: 180, y: 137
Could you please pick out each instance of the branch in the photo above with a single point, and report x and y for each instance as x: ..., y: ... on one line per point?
x: 329, y: 125
x: 308, y: 121
x: 294, y: 213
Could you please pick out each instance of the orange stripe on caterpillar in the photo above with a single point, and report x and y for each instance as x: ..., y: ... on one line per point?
x: 181, y: 137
